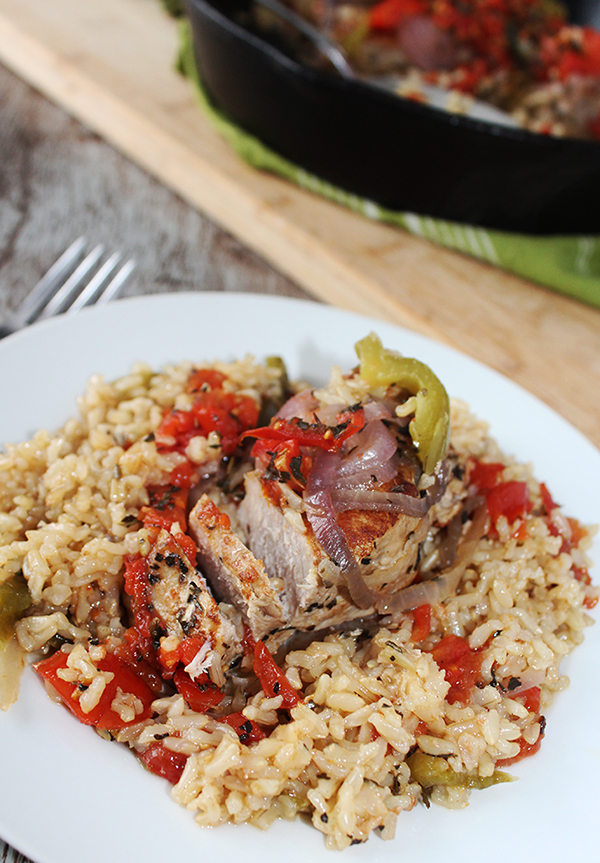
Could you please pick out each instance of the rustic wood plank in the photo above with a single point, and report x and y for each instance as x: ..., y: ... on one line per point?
x: 58, y: 179
x: 109, y: 62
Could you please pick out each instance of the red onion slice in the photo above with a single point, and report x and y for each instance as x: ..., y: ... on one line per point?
x: 301, y: 405
x: 380, y: 501
x: 368, y: 478
x: 323, y: 520
x: 369, y: 448
x: 377, y: 410
x: 444, y: 585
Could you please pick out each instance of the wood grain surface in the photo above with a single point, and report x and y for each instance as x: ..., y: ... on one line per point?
x: 109, y: 63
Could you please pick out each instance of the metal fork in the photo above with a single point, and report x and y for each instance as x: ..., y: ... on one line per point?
x: 74, y: 281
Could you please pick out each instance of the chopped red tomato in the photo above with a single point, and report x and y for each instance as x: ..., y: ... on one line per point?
x: 271, y: 677
x: 203, y: 379
x: 547, y: 500
x: 189, y: 648
x: 421, y: 623
x: 163, y: 762
x: 187, y: 545
x: 530, y: 699
x: 461, y: 666
x: 213, y: 410
x: 248, y: 731
x: 200, y: 694
x: 137, y: 587
x: 176, y: 423
x: 483, y: 474
x: 168, y: 504
x: 101, y: 716
x: 389, y: 14
x: 525, y: 750
x: 508, y: 499
x: 283, y: 462
x: 317, y: 434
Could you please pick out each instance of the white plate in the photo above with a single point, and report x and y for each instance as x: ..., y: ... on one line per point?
x: 67, y: 796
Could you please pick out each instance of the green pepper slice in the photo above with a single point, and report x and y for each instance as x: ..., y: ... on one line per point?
x: 430, y: 426
x: 430, y: 770
x: 14, y: 601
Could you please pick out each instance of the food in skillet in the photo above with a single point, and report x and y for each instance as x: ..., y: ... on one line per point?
x: 520, y: 56
x: 338, y: 601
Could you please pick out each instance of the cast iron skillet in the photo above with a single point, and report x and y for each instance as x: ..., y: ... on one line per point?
x: 400, y: 154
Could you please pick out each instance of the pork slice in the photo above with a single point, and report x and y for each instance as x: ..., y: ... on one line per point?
x: 183, y: 602
x: 386, y: 546
x: 314, y: 594
x: 236, y: 576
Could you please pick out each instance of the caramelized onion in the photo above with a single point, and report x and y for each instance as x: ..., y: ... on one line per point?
x: 444, y: 585
x: 372, y: 500
x: 426, y: 592
x: 323, y: 520
x: 366, y: 478
x: 301, y: 405
x: 372, y: 445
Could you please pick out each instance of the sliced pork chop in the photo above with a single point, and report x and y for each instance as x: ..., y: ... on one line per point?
x: 183, y: 602
x: 386, y: 547
x: 235, y: 575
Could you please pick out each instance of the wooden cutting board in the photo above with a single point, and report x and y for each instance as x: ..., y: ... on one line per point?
x: 110, y: 64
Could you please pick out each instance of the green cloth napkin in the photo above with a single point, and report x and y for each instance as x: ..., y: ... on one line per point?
x: 570, y: 264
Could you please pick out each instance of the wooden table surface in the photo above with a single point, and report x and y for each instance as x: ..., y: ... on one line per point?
x: 59, y: 178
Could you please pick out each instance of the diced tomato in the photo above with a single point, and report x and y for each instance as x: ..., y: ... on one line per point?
x: 168, y: 504
x: 317, y: 434
x: 202, y: 379
x: 282, y: 461
x: 580, y: 573
x: 271, y: 677
x: 200, y: 695
x: 547, y: 500
x: 101, y: 716
x: 389, y: 14
x: 484, y: 475
x: 526, y: 749
x: 189, y: 647
x: 422, y: 728
x: 163, y: 762
x: 187, y: 545
x: 421, y: 623
x: 176, y: 423
x: 508, y: 499
x: 530, y: 699
x: 136, y: 586
x: 461, y: 666
x: 228, y: 414
x: 183, y: 476
x: 213, y: 410
x: 248, y: 731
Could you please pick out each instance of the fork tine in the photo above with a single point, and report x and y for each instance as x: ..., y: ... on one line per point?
x: 96, y: 284
x: 48, y: 284
x: 114, y: 286
x: 73, y: 284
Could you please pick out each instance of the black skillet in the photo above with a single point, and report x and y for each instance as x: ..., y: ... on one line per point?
x: 403, y: 155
